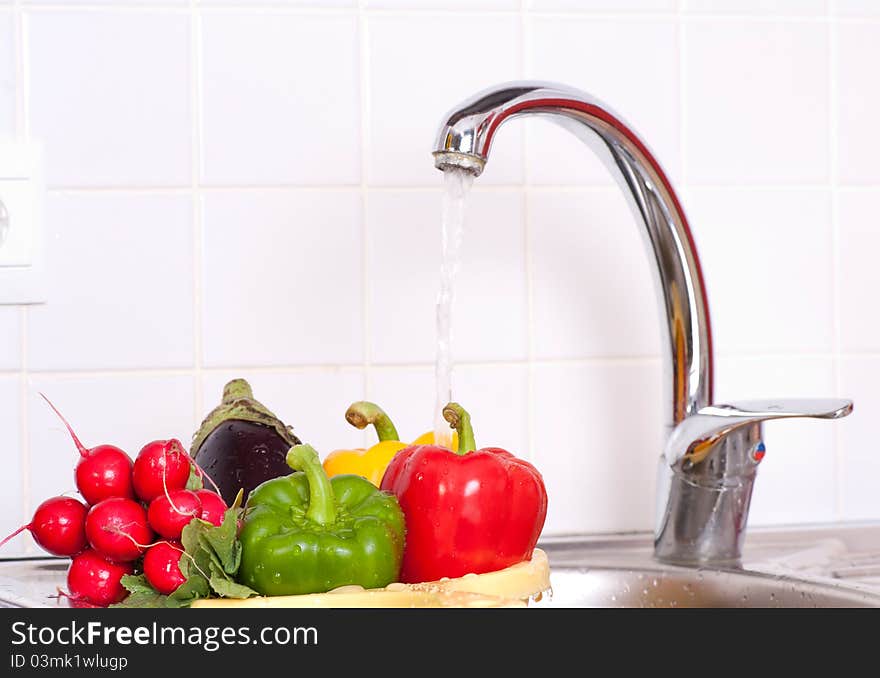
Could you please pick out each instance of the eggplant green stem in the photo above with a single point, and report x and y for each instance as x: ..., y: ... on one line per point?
x: 237, y: 389
x: 362, y: 413
x: 460, y: 420
x: 322, y: 502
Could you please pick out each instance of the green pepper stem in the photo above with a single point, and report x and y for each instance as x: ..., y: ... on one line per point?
x: 362, y: 413
x: 237, y: 389
x: 322, y: 506
x: 460, y: 420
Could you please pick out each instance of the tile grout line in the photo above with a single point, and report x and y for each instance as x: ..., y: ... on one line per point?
x: 18, y: 38
x: 364, y: 76
x: 327, y: 368
x: 23, y: 132
x: 681, y: 44
x: 482, y: 188
x: 634, y: 15
x: 525, y: 55
x: 195, y: 88
x: 417, y: 364
x: 838, y: 467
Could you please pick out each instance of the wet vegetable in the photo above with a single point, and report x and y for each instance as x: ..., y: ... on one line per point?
x: 371, y: 463
x: 241, y: 443
x: 307, y: 533
x: 467, y: 510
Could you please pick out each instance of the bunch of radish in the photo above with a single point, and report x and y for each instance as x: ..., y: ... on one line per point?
x: 133, y: 515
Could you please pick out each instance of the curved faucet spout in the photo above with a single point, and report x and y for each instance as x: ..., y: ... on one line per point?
x: 464, y: 142
x: 711, y: 451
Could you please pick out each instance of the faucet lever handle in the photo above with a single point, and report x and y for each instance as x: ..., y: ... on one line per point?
x: 696, y: 436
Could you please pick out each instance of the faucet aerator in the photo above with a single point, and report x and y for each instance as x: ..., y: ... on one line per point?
x: 454, y: 160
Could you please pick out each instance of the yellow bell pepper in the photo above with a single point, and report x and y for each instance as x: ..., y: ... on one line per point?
x: 372, y: 462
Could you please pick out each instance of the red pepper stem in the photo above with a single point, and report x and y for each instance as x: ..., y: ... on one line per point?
x: 322, y: 503
x: 362, y: 413
x: 460, y: 420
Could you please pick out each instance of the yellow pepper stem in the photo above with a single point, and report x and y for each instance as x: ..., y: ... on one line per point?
x: 362, y: 413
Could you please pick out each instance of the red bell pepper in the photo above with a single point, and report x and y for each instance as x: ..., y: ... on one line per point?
x: 466, y: 511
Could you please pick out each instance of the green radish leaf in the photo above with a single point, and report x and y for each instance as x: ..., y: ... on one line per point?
x: 192, y: 589
x: 137, y: 583
x: 226, y: 588
x: 143, y: 599
x: 211, y: 558
x: 223, y: 541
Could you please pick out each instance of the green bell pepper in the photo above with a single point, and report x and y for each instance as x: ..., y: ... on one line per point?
x: 307, y: 533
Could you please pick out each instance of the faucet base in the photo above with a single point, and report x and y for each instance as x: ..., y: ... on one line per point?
x: 707, y: 508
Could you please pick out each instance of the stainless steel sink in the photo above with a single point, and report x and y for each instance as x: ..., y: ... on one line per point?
x: 828, y: 566
x: 835, y: 566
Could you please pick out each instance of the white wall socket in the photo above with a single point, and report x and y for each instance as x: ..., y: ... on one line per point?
x: 22, y: 251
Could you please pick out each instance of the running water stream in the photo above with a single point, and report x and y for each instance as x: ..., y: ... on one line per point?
x: 457, y: 185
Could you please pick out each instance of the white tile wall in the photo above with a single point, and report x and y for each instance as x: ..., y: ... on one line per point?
x: 255, y: 127
x: 442, y: 4
x: 774, y: 126
x: 793, y: 7
x: 602, y: 5
x: 495, y: 395
x: 859, y: 274
x: 111, y: 108
x: 765, y: 251
x: 414, y: 76
x: 856, y: 7
x: 127, y: 411
x: 598, y: 467
x: 858, y: 458
x: 643, y: 91
x: 10, y: 338
x: 245, y: 189
x: 7, y: 73
x: 13, y: 515
x: 275, y: 262
x: 859, y: 106
x: 121, y: 284
x: 592, y: 291
x: 491, y: 309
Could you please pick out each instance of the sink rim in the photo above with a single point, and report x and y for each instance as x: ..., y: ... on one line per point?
x: 774, y: 558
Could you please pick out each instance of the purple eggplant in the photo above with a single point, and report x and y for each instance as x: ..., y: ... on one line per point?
x: 241, y: 444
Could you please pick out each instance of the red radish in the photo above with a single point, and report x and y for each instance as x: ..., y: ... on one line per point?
x: 94, y: 579
x: 162, y: 566
x: 117, y: 529
x: 213, y: 506
x: 103, y: 471
x: 161, y: 466
x: 169, y: 513
x: 58, y: 526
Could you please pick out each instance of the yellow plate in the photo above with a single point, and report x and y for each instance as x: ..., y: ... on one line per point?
x: 510, y: 587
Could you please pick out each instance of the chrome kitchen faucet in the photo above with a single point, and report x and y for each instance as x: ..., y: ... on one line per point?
x: 708, y: 464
